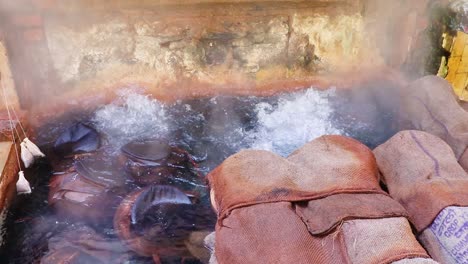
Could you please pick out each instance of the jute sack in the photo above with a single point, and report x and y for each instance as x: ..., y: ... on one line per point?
x: 322, y: 204
x: 429, y: 104
x: 422, y: 173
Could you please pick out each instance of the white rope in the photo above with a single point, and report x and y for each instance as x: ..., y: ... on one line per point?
x: 29, y: 150
x: 26, y: 156
x: 29, y: 146
x: 14, y: 145
x: 11, y: 122
x: 22, y: 185
x: 19, y: 122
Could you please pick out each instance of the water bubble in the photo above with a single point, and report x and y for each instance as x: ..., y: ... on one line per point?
x: 132, y: 116
x: 296, y: 119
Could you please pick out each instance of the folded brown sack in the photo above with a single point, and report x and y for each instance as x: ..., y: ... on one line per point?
x: 322, y: 204
x: 429, y: 104
x: 422, y: 173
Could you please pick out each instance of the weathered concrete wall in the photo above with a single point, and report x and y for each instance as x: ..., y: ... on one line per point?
x: 7, y: 85
x: 88, y: 49
x: 145, y: 47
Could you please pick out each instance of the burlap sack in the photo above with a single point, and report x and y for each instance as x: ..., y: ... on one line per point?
x: 322, y: 204
x: 429, y: 104
x: 422, y: 173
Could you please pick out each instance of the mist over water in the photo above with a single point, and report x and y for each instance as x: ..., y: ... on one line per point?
x: 213, y: 129
x: 210, y: 129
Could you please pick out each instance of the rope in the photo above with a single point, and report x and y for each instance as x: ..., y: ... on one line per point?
x: 19, y: 122
x: 16, y: 117
x: 11, y: 122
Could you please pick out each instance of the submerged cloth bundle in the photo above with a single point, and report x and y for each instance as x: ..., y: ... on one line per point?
x: 322, y: 204
x: 422, y: 173
x: 81, y: 244
x: 429, y: 104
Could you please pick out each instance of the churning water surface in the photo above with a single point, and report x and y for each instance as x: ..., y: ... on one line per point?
x: 224, y: 124
x: 211, y: 130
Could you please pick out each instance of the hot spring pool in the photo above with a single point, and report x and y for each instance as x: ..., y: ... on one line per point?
x: 207, y: 131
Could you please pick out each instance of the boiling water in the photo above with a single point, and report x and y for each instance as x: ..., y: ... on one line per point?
x: 210, y: 130
x: 295, y: 120
x: 280, y: 125
x: 132, y: 116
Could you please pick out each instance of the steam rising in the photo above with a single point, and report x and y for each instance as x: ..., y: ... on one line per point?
x: 279, y: 124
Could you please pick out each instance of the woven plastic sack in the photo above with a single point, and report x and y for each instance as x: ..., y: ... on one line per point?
x: 322, y: 204
x: 422, y: 173
x: 447, y: 237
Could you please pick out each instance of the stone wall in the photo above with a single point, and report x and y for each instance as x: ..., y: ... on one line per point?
x: 203, y: 47
x: 7, y: 85
x: 83, y: 51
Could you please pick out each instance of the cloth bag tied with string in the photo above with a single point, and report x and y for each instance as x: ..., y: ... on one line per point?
x: 322, y: 204
x: 29, y: 150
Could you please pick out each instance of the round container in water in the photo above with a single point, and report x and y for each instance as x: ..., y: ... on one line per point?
x: 156, y: 220
x: 157, y: 162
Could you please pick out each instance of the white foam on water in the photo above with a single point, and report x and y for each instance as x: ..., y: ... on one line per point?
x: 282, y: 127
x: 297, y: 119
x: 132, y: 116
